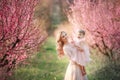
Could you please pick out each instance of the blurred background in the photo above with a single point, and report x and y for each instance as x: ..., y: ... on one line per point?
x: 44, y: 64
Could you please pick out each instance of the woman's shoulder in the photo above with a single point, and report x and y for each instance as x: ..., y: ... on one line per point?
x: 67, y: 46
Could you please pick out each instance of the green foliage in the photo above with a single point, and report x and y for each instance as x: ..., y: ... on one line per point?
x: 101, y: 68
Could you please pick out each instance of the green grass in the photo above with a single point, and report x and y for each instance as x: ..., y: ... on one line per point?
x: 45, y: 65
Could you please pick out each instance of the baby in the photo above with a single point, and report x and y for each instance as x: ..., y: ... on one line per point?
x: 83, y: 50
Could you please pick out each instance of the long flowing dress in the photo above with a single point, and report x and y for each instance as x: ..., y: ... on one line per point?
x: 73, y: 71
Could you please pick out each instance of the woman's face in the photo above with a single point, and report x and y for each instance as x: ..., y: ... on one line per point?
x: 64, y: 37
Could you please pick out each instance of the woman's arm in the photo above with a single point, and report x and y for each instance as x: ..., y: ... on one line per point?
x: 80, y: 49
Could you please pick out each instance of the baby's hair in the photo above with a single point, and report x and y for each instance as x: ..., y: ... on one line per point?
x: 81, y: 31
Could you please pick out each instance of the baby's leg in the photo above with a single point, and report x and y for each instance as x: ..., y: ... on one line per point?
x: 83, y: 70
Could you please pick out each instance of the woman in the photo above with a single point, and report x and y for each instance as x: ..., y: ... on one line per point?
x: 73, y: 71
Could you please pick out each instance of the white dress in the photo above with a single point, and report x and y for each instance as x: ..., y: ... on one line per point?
x: 73, y: 71
x: 84, y: 57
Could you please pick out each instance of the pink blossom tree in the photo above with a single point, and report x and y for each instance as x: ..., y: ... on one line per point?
x: 101, y: 20
x: 18, y: 35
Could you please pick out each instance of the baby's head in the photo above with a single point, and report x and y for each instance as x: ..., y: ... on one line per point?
x: 81, y: 34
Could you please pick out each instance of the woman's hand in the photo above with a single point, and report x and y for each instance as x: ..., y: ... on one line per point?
x: 80, y: 49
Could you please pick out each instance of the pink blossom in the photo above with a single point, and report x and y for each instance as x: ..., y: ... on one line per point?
x: 18, y: 35
x: 101, y: 21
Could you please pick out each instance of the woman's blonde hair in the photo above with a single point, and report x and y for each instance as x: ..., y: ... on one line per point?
x: 60, y: 44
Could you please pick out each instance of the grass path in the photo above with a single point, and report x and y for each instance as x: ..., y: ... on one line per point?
x: 43, y: 66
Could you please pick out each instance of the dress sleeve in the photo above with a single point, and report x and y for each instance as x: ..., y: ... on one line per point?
x: 87, y: 52
x: 67, y: 52
x: 72, y: 54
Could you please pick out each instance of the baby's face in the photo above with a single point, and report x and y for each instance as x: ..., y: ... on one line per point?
x: 80, y: 35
